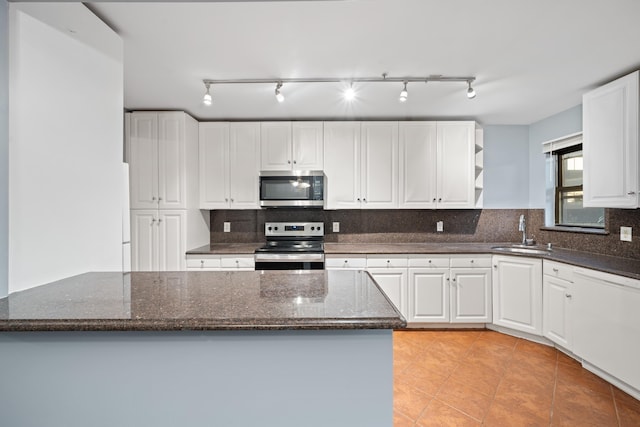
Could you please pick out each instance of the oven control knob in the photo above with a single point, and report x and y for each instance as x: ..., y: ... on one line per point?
x: 318, y: 228
x: 275, y: 228
x: 313, y: 228
x: 269, y: 228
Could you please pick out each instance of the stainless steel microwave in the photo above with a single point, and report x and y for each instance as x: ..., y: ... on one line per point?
x: 279, y: 189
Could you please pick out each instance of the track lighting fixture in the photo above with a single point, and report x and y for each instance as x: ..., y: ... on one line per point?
x: 207, y: 99
x: 471, y: 93
x: 404, y: 94
x: 349, y: 93
x: 279, y: 95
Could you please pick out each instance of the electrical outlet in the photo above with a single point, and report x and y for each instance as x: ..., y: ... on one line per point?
x: 336, y: 227
x: 440, y: 226
x: 227, y: 227
x: 625, y: 234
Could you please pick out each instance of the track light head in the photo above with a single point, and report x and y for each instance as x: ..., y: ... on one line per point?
x: 279, y: 95
x: 404, y: 94
x: 471, y: 93
x: 207, y: 99
x: 350, y: 94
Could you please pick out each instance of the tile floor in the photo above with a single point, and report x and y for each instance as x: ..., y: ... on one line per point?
x: 474, y: 378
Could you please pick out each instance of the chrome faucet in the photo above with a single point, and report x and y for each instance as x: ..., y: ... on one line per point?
x: 522, y: 226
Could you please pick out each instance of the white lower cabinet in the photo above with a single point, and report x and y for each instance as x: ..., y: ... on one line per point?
x: 344, y: 262
x: 213, y: 262
x: 390, y: 272
x: 450, y: 289
x: 557, y: 283
x: 606, y: 324
x: 158, y: 242
x: 517, y: 293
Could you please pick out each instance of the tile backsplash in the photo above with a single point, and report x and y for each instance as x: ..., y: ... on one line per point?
x: 414, y: 226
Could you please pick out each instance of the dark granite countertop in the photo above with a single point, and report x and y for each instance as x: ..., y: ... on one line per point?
x: 225, y: 248
x: 610, y: 264
x: 161, y: 301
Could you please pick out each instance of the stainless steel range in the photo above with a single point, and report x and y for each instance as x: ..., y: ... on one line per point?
x: 292, y: 246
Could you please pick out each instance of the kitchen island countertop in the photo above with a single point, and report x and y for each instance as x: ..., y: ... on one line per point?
x: 166, y: 301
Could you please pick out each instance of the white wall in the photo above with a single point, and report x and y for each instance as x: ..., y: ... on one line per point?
x: 561, y: 124
x: 506, y: 167
x: 4, y: 147
x: 65, y: 139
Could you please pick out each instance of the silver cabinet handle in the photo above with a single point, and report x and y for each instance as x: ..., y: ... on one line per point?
x: 555, y: 270
x: 153, y: 198
x: 454, y: 279
x: 294, y: 162
x: 631, y: 193
x: 159, y: 198
x: 231, y: 200
x: 288, y: 162
x: 364, y: 200
x: 160, y: 220
x: 495, y: 266
x: 439, y: 199
x: 226, y: 199
x: 153, y: 220
x: 471, y: 261
x: 434, y: 200
x: 568, y: 296
x: 358, y: 199
x: 429, y: 261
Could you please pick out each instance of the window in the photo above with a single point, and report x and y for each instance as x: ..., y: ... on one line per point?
x: 569, y: 211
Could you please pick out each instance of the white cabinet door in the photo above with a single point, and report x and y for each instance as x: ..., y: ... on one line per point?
x: 471, y: 295
x: 214, y: 165
x: 429, y: 295
x: 393, y: 282
x: 244, y: 165
x: 172, y: 231
x: 172, y: 182
x: 307, y: 146
x: 342, y: 165
x: 517, y: 293
x: 417, y: 166
x: 379, y: 165
x: 143, y: 160
x: 605, y: 323
x: 456, y: 165
x: 275, y: 146
x: 610, y: 144
x: 556, y: 306
x: 144, y: 240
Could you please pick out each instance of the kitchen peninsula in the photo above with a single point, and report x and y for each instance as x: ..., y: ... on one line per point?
x: 199, y: 348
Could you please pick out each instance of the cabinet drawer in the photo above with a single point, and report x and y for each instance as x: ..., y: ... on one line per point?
x: 559, y: 270
x: 203, y: 261
x: 381, y: 261
x: 244, y: 261
x: 471, y: 261
x: 429, y: 261
x: 345, y: 262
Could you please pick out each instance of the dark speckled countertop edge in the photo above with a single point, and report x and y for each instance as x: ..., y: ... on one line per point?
x: 609, y: 264
x: 124, y: 325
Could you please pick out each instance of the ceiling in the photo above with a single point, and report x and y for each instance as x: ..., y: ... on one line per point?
x: 531, y: 59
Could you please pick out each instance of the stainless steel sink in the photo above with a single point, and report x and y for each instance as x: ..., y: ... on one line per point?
x: 522, y: 249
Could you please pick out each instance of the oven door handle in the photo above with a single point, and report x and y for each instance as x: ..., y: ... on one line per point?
x: 263, y: 257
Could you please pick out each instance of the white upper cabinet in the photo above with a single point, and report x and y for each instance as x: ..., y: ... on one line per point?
x: 307, y: 145
x: 158, y: 159
x: 291, y: 146
x: 342, y: 165
x: 379, y: 165
x: 244, y: 165
x: 456, y: 165
x: 438, y: 165
x: 610, y: 144
x: 229, y: 165
x: 361, y: 165
x: 418, y: 174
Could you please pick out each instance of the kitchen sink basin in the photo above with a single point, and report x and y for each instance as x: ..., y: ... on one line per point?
x: 522, y: 249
